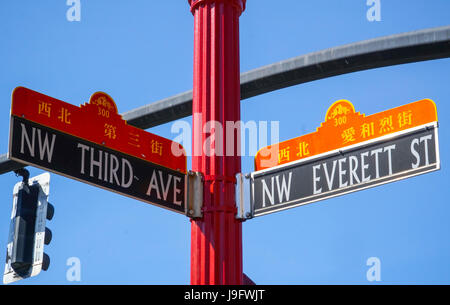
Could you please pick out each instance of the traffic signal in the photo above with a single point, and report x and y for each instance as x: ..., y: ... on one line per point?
x: 28, y: 234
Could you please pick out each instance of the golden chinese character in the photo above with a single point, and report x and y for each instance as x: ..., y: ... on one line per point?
x: 64, y: 115
x: 110, y: 131
x: 303, y: 149
x: 386, y: 124
x: 283, y: 155
x: 405, y: 118
x: 44, y: 108
x: 348, y: 135
x: 133, y: 139
x: 367, y: 130
x: 157, y: 147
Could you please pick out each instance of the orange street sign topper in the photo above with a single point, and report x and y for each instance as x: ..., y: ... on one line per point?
x: 343, y: 127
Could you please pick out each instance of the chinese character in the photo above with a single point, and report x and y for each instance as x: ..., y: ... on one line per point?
x: 157, y: 147
x: 367, y: 130
x: 283, y: 155
x: 44, y: 108
x: 303, y: 149
x: 386, y: 124
x: 133, y: 139
x: 348, y: 135
x: 110, y: 131
x: 64, y: 115
x: 405, y: 118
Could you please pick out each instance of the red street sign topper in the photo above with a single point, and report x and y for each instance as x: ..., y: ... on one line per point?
x: 93, y: 144
x: 98, y: 122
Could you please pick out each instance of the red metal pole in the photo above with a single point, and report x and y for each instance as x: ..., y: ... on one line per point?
x: 216, y: 239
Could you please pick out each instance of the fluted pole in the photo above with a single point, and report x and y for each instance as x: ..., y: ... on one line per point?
x: 216, y: 239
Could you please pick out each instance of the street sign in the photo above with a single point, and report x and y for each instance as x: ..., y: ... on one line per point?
x: 343, y: 126
x: 42, y: 184
x: 396, y: 153
x: 93, y: 144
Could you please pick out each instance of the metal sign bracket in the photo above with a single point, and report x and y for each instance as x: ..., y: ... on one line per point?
x: 194, y: 194
x: 244, y: 210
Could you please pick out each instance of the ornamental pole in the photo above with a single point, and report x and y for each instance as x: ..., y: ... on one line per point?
x: 216, y: 239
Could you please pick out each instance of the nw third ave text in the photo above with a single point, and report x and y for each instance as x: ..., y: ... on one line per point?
x: 98, y: 165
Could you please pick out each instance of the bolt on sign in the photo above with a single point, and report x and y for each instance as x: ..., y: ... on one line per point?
x: 348, y: 152
x: 93, y: 144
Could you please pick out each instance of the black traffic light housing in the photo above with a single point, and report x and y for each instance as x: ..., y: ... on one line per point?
x: 25, y: 227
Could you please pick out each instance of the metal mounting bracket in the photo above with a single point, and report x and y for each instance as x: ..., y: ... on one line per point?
x: 243, y: 205
x: 194, y: 194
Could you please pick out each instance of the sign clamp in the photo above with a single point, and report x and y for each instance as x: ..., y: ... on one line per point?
x: 194, y: 194
x: 243, y: 202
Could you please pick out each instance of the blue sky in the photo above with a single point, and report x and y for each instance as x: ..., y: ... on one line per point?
x: 141, y: 51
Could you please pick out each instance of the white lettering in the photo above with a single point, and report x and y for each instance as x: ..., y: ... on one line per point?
x: 353, y: 160
x: 270, y: 194
x: 316, y: 179
x: 105, y: 174
x: 415, y: 153
x: 96, y: 163
x: 284, y: 190
x: 83, y: 149
x: 389, y: 150
x: 342, y: 173
x: 176, y: 190
x: 27, y: 139
x: 153, y: 185
x: 165, y: 189
x: 114, y: 166
x: 327, y: 177
x: 377, y: 167
x: 126, y: 163
x: 43, y: 148
x: 364, y: 166
x: 425, y: 140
